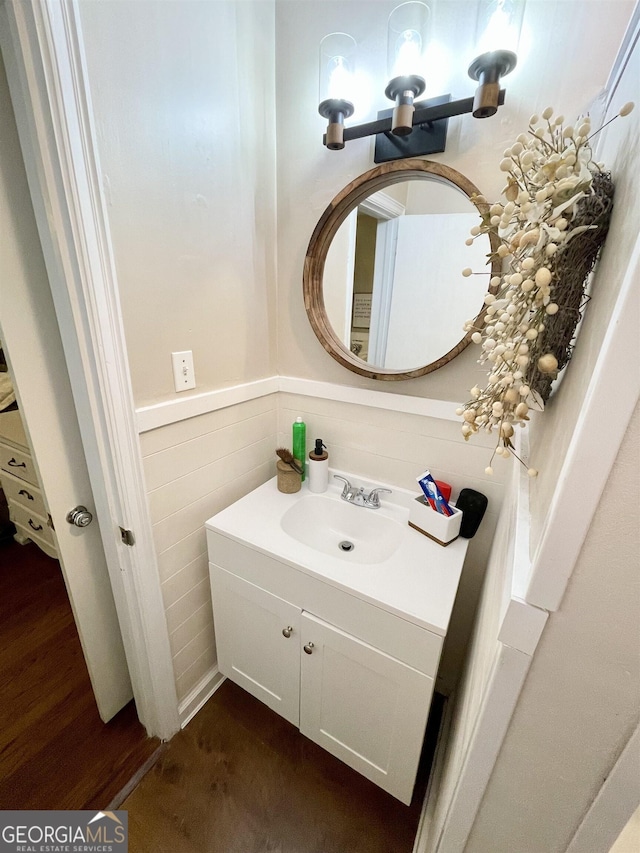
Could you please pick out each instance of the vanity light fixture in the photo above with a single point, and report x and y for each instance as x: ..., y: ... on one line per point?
x: 337, y: 51
x: 415, y: 128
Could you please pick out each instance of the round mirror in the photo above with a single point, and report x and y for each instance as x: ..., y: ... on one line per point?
x: 383, y: 283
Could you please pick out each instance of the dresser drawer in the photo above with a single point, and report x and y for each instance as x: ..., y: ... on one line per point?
x: 17, y: 463
x: 30, y: 524
x: 24, y: 494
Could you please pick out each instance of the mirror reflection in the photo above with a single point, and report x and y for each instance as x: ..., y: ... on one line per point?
x: 392, y: 285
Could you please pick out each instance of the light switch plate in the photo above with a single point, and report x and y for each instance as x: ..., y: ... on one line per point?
x: 183, y: 374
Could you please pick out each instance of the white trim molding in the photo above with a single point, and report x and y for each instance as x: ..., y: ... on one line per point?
x: 442, y: 409
x: 508, y: 674
x: 180, y: 408
x: 629, y: 40
x: 201, y: 693
x: 518, y: 632
x: 613, y: 389
x: 382, y: 206
x: 48, y: 82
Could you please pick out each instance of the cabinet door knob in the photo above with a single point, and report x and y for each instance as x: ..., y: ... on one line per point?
x: 288, y: 631
x: 309, y: 648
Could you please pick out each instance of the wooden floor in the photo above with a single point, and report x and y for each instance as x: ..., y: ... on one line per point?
x: 55, y: 752
x: 240, y: 779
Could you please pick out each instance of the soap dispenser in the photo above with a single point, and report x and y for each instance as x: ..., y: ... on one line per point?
x: 318, y: 468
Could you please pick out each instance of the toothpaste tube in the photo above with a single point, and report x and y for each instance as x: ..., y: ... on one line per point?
x: 433, y: 494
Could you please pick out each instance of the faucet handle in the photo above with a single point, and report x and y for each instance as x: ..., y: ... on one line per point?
x: 347, y: 485
x: 373, y: 498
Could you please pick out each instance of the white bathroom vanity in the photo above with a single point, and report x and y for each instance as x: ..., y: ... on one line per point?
x: 344, y: 642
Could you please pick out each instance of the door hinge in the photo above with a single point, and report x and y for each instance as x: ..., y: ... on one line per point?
x: 127, y: 536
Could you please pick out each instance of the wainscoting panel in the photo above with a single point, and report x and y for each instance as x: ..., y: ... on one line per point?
x: 197, y: 466
x: 193, y: 469
x: 395, y: 446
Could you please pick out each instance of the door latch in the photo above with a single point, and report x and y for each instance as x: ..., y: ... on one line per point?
x: 127, y: 536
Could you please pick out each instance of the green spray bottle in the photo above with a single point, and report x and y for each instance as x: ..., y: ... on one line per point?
x: 300, y: 443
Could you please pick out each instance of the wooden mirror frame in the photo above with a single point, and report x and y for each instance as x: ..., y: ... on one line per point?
x: 333, y: 217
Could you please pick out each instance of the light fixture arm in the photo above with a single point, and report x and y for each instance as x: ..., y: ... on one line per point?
x: 335, y: 110
x: 403, y: 90
x: 487, y: 70
x: 421, y: 115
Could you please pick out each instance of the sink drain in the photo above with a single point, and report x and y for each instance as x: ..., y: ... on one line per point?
x: 347, y: 546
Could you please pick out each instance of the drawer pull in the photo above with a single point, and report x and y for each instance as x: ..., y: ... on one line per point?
x: 26, y: 494
x: 34, y: 526
x: 288, y: 631
x: 14, y: 464
x: 309, y: 648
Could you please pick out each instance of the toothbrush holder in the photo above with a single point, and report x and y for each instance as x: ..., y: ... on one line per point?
x: 443, y: 529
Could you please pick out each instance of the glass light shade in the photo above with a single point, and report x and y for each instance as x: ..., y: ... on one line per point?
x: 337, y: 54
x: 408, y: 32
x: 498, y: 25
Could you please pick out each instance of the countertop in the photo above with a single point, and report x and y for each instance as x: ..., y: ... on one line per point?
x: 418, y: 582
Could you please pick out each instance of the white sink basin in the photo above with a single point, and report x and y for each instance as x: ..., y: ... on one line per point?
x: 341, y: 529
x: 391, y: 565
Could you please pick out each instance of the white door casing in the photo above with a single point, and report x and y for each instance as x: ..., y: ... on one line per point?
x: 42, y: 47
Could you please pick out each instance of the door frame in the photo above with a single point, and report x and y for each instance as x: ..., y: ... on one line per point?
x: 43, y: 51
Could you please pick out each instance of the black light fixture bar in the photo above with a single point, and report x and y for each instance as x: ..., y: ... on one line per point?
x: 422, y: 115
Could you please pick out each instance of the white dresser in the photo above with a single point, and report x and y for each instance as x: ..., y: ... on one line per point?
x: 20, y: 484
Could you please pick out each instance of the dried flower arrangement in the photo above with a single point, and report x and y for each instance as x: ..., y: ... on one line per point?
x: 549, y: 232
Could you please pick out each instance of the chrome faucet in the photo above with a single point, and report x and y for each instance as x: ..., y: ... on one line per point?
x: 358, y: 498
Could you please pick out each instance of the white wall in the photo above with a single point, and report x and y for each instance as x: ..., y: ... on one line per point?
x: 566, y: 63
x: 580, y: 702
x: 479, y: 661
x: 309, y: 176
x: 619, y: 151
x: 187, y: 148
x: 581, y: 699
x: 428, y: 309
x: 182, y: 96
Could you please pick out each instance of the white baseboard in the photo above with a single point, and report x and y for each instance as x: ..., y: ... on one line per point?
x: 201, y: 693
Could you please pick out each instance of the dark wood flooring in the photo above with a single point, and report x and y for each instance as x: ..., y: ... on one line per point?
x: 240, y: 779
x: 237, y: 779
x: 55, y: 752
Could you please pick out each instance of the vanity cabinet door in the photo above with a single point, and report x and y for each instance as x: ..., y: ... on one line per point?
x: 365, y: 707
x: 257, y: 640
